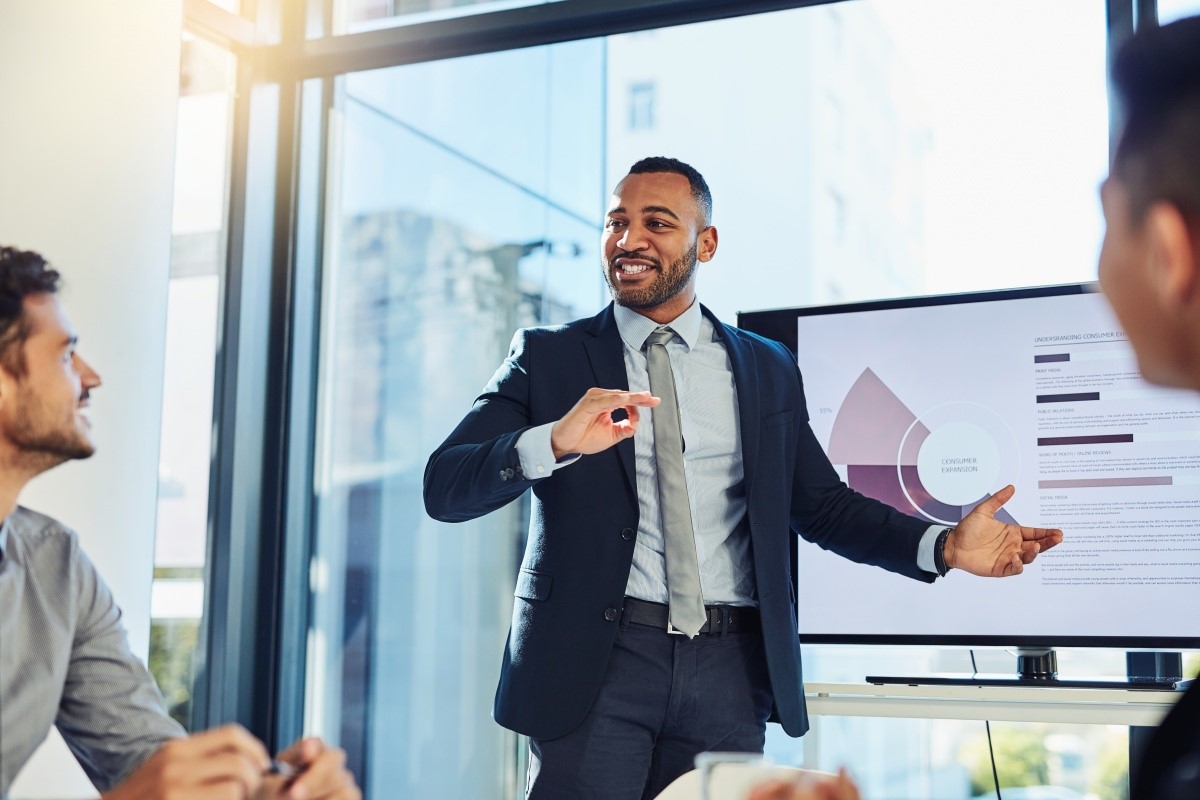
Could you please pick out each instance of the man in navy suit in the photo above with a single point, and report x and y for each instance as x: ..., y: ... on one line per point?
x: 616, y: 703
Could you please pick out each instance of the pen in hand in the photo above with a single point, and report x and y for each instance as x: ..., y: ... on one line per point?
x: 282, y: 769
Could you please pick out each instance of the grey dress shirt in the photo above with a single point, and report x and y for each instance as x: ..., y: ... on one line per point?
x: 65, y: 661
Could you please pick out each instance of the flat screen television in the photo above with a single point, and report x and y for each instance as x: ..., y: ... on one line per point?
x: 932, y: 403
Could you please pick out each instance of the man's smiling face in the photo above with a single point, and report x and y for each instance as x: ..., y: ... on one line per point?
x: 44, y: 404
x: 654, y: 234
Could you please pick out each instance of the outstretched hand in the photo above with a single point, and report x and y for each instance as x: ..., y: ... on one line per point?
x: 983, y: 545
x: 589, y: 427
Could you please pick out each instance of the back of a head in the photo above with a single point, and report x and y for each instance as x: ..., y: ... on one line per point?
x: 1157, y: 78
x: 22, y: 273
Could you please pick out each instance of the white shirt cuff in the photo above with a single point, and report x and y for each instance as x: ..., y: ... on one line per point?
x: 536, y: 454
x: 925, y: 559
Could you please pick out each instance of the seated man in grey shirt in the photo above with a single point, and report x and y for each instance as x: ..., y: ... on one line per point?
x: 64, y: 659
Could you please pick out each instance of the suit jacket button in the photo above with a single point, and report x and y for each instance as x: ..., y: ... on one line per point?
x: 627, y: 534
x: 503, y: 474
x: 610, y: 614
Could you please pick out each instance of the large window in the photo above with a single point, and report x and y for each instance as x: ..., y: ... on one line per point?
x: 856, y: 150
x: 457, y: 216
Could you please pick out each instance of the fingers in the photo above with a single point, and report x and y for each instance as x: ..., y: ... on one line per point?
x: 1038, y: 540
x: 808, y: 786
x: 227, y: 738
x: 991, y: 505
x: 633, y: 415
x: 1045, y: 537
x: 323, y: 773
x: 302, y: 752
x: 597, y: 400
x: 840, y: 788
x: 225, y: 767
x: 773, y: 790
x: 845, y: 789
x: 223, y: 763
x: 589, y: 428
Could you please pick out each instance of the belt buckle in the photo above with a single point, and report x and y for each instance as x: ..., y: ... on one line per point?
x: 671, y: 629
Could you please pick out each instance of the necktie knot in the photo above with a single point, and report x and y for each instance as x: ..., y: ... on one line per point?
x: 659, y: 336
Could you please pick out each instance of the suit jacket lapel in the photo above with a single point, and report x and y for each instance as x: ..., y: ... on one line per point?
x: 745, y: 379
x: 606, y: 354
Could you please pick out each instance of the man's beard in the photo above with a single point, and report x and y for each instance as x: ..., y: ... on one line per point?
x: 669, y: 282
x: 42, y: 442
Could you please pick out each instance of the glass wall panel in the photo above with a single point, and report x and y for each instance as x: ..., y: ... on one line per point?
x: 466, y: 204
x: 858, y: 150
x: 197, y: 261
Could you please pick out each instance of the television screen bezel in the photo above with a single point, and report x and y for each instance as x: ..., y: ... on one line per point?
x: 780, y: 324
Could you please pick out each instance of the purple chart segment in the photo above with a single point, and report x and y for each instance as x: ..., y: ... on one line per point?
x: 939, y: 464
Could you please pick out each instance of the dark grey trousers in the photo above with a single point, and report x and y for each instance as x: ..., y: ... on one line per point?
x: 664, y: 699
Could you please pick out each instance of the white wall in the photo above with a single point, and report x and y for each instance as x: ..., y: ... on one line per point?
x: 89, y: 93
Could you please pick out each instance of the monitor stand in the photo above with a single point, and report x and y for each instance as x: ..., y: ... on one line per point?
x: 1036, y: 667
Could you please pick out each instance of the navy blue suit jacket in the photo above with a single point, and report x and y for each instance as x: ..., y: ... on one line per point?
x: 584, y: 517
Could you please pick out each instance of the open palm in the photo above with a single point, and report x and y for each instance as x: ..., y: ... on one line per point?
x: 983, y: 545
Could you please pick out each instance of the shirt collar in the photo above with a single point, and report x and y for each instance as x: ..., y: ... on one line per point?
x: 3, y: 539
x: 634, y: 328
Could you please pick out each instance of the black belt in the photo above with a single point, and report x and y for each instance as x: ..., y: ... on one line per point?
x: 721, y: 619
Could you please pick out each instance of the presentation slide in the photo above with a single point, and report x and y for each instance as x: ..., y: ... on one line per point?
x: 930, y: 409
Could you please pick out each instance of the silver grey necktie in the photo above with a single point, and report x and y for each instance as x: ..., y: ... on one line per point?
x: 687, y: 613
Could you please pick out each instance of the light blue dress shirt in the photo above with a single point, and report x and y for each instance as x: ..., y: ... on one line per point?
x: 708, y: 409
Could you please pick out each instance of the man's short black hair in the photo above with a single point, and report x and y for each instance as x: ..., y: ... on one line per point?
x: 700, y: 192
x: 22, y: 273
x: 1157, y: 77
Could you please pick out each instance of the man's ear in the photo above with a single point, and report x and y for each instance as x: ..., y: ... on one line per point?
x: 1173, y: 255
x: 706, y: 245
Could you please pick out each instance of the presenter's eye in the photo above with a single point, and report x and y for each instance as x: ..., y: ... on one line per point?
x: 614, y: 224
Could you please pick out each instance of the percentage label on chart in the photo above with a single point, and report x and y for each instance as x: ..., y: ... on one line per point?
x: 825, y: 410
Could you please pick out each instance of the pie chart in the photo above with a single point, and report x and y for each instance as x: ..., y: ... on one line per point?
x: 938, y: 465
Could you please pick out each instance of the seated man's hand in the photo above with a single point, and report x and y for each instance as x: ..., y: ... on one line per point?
x: 321, y: 774
x: 222, y: 764
x: 808, y: 787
